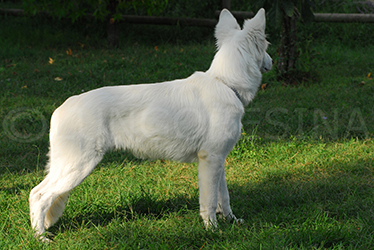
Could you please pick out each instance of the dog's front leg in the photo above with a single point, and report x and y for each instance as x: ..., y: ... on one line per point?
x: 223, y: 206
x: 211, y: 168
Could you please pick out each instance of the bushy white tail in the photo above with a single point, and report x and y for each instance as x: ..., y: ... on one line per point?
x: 56, y: 210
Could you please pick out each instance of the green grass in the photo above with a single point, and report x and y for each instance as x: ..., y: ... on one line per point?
x: 301, y: 176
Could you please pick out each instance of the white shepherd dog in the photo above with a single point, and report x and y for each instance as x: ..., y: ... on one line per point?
x: 193, y: 119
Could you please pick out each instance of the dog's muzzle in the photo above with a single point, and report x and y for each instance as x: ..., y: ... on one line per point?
x: 267, y: 63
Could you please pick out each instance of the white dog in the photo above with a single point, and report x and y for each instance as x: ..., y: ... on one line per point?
x: 193, y: 119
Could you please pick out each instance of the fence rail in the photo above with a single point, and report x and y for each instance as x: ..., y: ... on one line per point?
x: 319, y: 17
x: 203, y: 22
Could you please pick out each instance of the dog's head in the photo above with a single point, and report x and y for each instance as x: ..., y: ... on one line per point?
x: 250, y: 41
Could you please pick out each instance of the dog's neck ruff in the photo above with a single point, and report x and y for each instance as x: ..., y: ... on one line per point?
x: 233, y: 89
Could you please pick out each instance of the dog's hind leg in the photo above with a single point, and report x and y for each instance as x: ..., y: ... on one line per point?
x: 37, y: 221
x: 47, y: 200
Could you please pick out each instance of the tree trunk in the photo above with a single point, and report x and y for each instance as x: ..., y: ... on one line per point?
x: 112, y: 33
x: 112, y: 26
x: 288, y: 50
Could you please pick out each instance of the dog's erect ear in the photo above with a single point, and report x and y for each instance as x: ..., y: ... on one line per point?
x: 257, y: 22
x: 226, y: 23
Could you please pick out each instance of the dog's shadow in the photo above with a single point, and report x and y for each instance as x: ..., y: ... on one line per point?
x: 143, y: 206
x: 277, y: 200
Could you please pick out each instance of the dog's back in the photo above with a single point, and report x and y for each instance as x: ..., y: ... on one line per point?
x: 169, y: 120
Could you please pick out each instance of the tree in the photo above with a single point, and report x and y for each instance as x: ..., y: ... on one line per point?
x: 108, y: 11
x: 286, y: 14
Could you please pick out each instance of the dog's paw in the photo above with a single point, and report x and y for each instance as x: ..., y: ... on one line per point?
x: 230, y: 217
x: 43, y: 237
x: 239, y: 221
x: 211, y: 225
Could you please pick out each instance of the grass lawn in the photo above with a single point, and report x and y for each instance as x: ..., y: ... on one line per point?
x: 302, y: 175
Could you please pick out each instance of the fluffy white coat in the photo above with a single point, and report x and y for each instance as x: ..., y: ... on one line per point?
x: 193, y: 119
